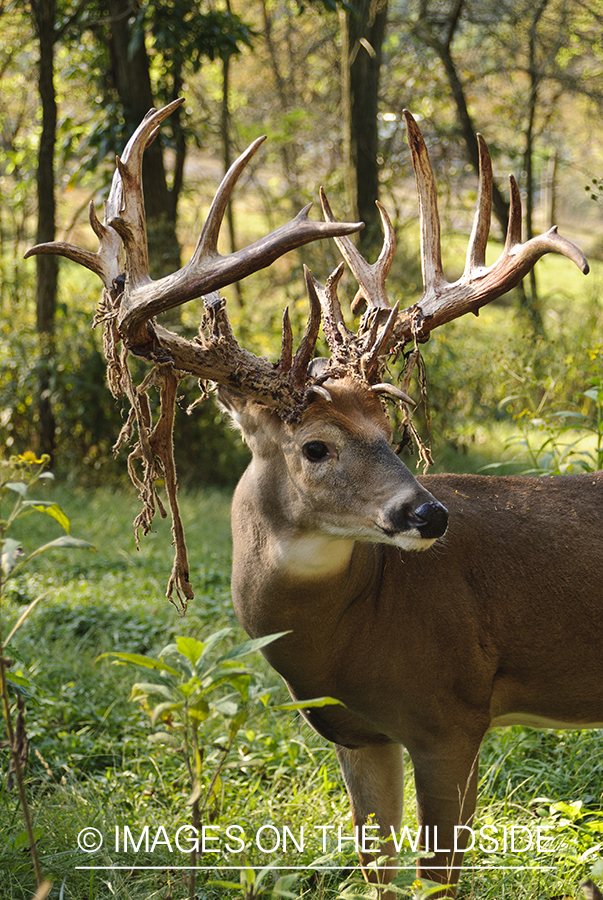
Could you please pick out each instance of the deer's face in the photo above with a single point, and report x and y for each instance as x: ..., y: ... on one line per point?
x: 335, y: 473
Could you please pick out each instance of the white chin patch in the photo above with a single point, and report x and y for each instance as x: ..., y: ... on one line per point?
x: 406, y: 540
x: 409, y: 541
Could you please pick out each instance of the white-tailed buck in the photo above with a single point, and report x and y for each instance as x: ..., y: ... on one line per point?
x: 494, y: 623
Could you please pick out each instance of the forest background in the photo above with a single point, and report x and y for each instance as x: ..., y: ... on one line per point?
x: 520, y: 389
x: 327, y: 85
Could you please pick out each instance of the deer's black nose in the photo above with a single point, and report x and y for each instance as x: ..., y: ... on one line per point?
x: 430, y: 519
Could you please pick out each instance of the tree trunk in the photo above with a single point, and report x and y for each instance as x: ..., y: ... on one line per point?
x: 179, y: 141
x: 551, y: 190
x: 363, y: 33
x: 499, y: 204
x: 532, y: 304
x: 282, y: 95
x: 426, y: 29
x: 130, y: 72
x: 227, y: 157
x: 46, y: 266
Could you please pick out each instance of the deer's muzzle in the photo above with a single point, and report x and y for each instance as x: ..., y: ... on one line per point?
x: 429, y: 519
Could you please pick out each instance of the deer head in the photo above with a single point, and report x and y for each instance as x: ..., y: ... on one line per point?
x: 286, y: 390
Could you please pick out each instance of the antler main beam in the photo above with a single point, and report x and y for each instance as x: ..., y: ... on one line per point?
x: 442, y: 301
x: 207, y: 270
x: 131, y: 301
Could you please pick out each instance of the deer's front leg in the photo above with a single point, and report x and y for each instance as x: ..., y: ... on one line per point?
x: 374, y: 777
x: 446, y: 785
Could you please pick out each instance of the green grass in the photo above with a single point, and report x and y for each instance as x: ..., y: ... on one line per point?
x: 91, y: 764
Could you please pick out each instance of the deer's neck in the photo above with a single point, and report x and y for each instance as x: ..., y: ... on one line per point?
x: 288, y: 575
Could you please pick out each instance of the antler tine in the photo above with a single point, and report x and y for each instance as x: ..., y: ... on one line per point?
x: 476, y: 251
x: 513, y: 237
x: 380, y: 345
x: 208, y: 240
x: 106, y: 263
x: 120, y: 223
x: 145, y: 134
x: 125, y: 205
x: 305, y: 351
x: 371, y: 278
x: 443, y: 301
x: 427, y: 193
x: 337, y: 334
x: 286, y: 361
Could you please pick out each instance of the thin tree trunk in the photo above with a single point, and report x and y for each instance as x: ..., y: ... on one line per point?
x: 180, y: 148
x: 46, y: 266
x: 551, y: 190
x: 443, y: 48
x: 532, y: 306
x: 227, y: 156
x: 363, y: 33
x: 130, y: 72
x: 283, y: 99
x: 499, y: 204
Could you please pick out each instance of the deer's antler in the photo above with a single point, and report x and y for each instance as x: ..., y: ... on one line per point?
x: 131, y: 300
x: 135, y: 301
x: 443, y: 301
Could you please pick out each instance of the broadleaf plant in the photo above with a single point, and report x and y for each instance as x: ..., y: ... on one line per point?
x: 18, y: 475
x: 191, y: 690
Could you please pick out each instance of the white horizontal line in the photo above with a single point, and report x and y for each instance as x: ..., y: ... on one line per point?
x: 319, y: 868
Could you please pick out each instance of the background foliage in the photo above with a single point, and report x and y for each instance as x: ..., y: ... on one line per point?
x: 276, y: 67
x: 519, y: 389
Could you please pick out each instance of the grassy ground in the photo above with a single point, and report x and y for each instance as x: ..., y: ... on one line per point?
x: 92, y: 765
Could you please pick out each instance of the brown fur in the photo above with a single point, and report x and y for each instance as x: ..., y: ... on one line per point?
x: 426, y: 650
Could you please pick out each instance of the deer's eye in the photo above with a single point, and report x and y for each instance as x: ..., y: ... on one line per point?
x: 315, y: 451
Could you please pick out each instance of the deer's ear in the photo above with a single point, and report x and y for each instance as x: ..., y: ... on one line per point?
x: 232, y: 402
x: 260, y: 427
x: 245, y: 414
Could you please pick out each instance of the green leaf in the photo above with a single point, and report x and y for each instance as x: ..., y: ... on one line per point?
x: 219, y: 676
x: 152, y: 687
x: 146, y: 662
x: 22, y: 839
x: 309, y: 704
x: 226, y: 708
x: 597, y: 869
x: 163, y: 708
x: 164, y: 737
x: 19, y: 680
x: 19, y: 487
x: 284, y: 883
x: 199, y: 705
x: 241, y: 684
x: 214, y: 638
x: 50, y: 509
x: 66, y: 541
x: 190, y: 687
x: 237, y: 722
x: 199, y: 712
x: 195, y: 794
x: 251, y: 646
x: 190, y: 648
x: 60, y: 543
